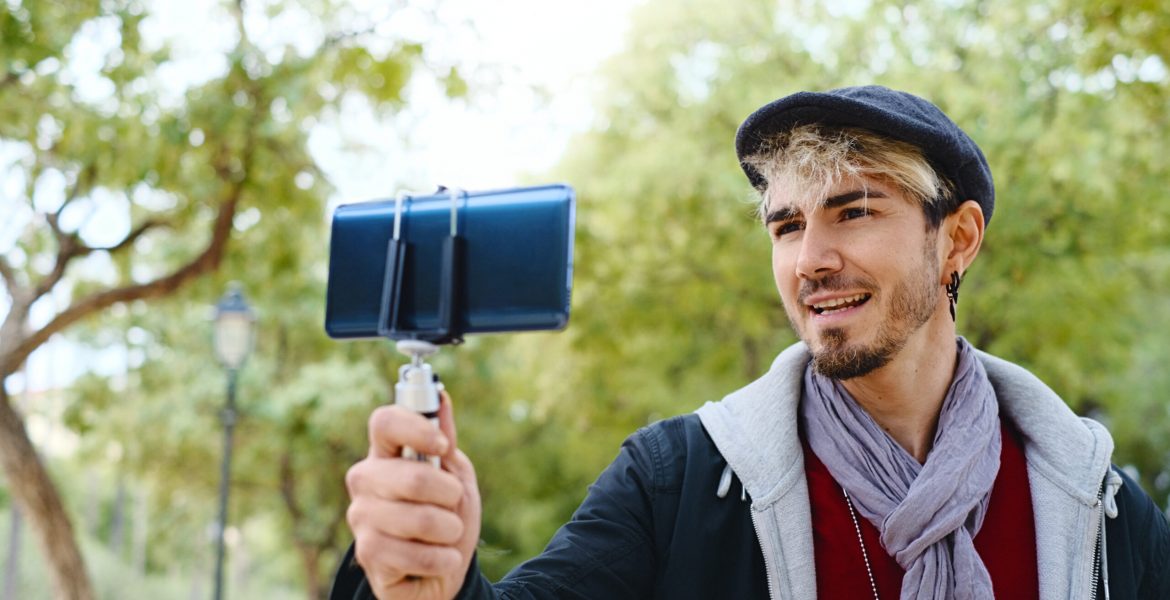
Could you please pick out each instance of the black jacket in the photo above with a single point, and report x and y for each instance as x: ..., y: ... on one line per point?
x: 652, y: 526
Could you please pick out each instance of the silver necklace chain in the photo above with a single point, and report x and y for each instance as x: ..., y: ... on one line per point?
x: 861, y: 540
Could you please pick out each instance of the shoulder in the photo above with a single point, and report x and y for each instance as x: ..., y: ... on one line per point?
x: 1138, y: 543
x: 676, y: 433
x: 668, y: 449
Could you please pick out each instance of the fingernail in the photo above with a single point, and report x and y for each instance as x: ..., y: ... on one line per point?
x: 442, y: 443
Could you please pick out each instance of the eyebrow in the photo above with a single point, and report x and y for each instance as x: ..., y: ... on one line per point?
x: 782, y: 214
x: 788, y: 212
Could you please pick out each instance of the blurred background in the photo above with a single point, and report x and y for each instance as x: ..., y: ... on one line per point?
x: 151, y: 152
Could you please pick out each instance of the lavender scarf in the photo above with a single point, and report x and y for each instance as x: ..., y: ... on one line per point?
x: 927, y: 514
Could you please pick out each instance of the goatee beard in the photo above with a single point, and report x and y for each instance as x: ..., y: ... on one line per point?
x: 837, y: 360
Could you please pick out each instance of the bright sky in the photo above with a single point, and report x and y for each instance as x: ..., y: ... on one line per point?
x: 507, y: 129
x: 504, y: 130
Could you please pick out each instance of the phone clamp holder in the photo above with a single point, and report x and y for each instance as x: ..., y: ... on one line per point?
x: 451, y: 277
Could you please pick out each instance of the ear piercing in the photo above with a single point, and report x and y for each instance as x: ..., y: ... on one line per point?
x: 953, y: 291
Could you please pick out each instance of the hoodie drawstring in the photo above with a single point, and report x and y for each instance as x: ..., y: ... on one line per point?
x: 725, y: 484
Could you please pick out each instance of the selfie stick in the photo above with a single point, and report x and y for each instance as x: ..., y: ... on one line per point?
x: 418, y: 387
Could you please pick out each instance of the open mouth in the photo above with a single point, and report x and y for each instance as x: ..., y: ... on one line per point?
x: 837, y: 305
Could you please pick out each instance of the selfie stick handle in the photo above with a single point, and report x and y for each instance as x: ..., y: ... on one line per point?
x: 418, y: 390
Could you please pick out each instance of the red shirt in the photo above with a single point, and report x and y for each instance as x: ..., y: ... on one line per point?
x: 1006, y: 542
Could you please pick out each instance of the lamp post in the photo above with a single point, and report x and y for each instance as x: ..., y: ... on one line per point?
x: 234, y: 323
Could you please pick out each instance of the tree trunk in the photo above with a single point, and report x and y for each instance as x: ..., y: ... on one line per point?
x: 309, y: 547
x: 39, y: 502
x: 310, y: 559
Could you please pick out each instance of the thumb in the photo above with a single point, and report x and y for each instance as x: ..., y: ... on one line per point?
x: 447, y: 422
x: 455, y: 460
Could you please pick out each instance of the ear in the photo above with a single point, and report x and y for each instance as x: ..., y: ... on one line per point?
x: 964, y: 235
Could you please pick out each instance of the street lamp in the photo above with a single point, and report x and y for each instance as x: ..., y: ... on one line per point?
x: 234, y: 334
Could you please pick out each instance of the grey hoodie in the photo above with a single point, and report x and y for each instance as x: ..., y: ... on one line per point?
x: 755, y: 429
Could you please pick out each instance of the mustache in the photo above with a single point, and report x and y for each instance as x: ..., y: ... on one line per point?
x: 833, y: 283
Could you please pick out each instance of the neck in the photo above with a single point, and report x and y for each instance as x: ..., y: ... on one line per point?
x: 905, y: 396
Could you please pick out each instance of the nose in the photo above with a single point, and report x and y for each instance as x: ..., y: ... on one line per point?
x: 818, y: 254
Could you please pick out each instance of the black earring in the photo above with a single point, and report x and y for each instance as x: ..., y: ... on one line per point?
x: 953, y: 291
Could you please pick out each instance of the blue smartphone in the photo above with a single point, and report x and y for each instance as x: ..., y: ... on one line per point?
x: 454, y: 262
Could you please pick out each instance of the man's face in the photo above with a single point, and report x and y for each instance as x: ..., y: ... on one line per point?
x: 858, y: 275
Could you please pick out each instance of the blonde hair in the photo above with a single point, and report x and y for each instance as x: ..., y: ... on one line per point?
x: 808, y: 160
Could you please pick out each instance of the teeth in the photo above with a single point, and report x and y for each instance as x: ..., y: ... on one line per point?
x: 830, y: 304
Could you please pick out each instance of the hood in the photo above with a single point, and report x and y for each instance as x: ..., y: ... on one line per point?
x: 756, y: 428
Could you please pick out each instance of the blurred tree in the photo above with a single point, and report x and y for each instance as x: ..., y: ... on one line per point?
x: 120, y: 190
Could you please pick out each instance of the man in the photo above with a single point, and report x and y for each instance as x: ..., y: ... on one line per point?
x: 881, y: 457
